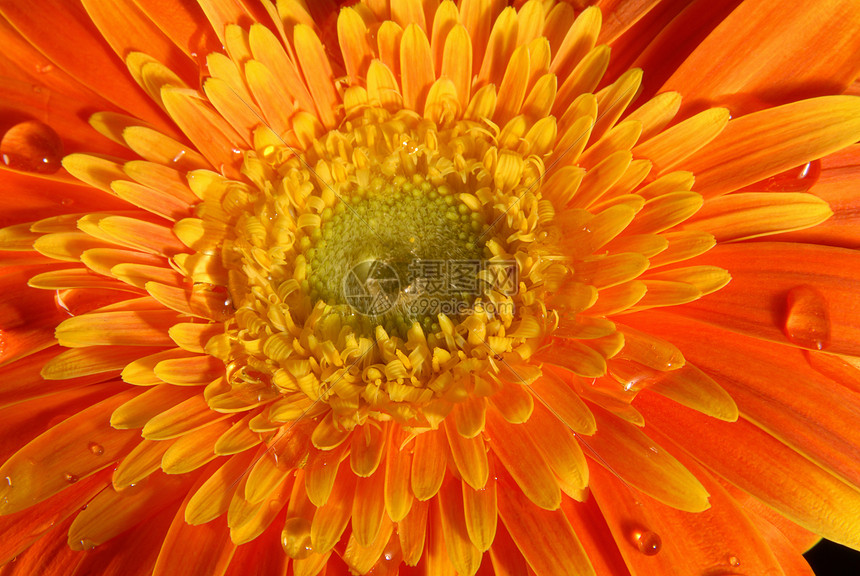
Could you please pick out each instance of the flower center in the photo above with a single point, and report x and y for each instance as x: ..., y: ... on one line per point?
x: 397, y: 252
x: 379, y: 272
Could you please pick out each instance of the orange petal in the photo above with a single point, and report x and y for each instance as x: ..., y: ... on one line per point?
x: 763, y: 144
x: 590, y: 526
x: 671, y: 146
x: 187, y: 416
x: 143, y: 328
x: 519, y: 456
x: 192, y: 451
x: 182, y: 537
x: 111, y: 512
x: 819, y: 44
x: 331, y: 519
x: 764, y: 274
x: 320, y: 473
x: 624, y: 450
x: 23, y: 528
x: 398, y: 466
x: 544, y: 537
x: 89, y: 62
x: 211, y: 498
x: 465, y: 557
x: 500, y: 43
x: 818, y: 419
x: 429, y: 463
x: 75, y: 448
x: 137, y: 412
x: 206, y: 129
x: 695, y: 389
x: 126, y: 28
x: 368, y: 508
x: 318, y: 73
x: 470, y: 457
x: 367, y: 448
x: 456, y: 63
x: 138, y: 464
x: 563, y: 402
x: 560, y: 450
x: 637, y: 523
x: 79, y: 362
x: 761, y: 465
x: 352, y: 36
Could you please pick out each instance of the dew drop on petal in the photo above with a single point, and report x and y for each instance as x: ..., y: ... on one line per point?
x: 87, y: 544
x: 798, y: 179
x: 807, y: 318
x: 96, y: 448
x: 9, y: 480
x: 32, y: 146
x: 71, y: 478
x: 734, y: 561
x: 296, y: 538
x: 647, y: 542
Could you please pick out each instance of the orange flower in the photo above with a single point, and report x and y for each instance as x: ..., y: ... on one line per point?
x: 424, y: 287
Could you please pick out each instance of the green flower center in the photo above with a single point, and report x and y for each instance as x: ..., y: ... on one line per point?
x: 394, y: 252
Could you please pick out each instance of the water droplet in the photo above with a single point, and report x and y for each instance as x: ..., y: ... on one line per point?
x: 66, y: 202
x: 96, y: 448
x: 87, y: 544
x: 296, y: 538
x: 32, y: 146
x: 179, y: 156
x: 71, y: 478
x: 799, y: 179
x: 61, y: 304
x: 807, y: 318
x: 44, y: 68
x: 733, y: 561
x: 647, y: 542
x: 8, y: 480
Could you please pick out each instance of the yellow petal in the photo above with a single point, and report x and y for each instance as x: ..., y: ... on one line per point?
x: 192, y: 451
x: 429, y: 463
x: 517, y: 453
x: 416, y: 67
x: 748, y: 215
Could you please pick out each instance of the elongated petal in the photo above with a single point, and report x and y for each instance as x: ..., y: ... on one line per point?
x: 765, y: 143
x: 759, y: 302
x: 781, y: 36
x: 625, y: 450
x: 63, y: 455
x: 760, y: 464
x: 544, y: 537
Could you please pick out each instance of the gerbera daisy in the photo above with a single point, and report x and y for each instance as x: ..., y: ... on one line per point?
x: 428, y: 287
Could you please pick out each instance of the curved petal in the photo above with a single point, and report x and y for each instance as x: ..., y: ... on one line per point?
x: 654, y: 538
x: 758, y: 463
x: 775, y: 53
x: 765, y: 143
x: 764, y: 274
x: 807, y: 411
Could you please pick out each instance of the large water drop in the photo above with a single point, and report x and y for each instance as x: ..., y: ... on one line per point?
x: 647, y: 542
x: 807, y: 318
x: 32, y: 146
x: 799, y: 179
